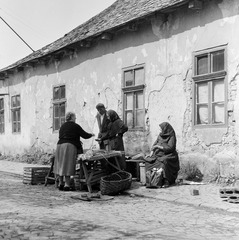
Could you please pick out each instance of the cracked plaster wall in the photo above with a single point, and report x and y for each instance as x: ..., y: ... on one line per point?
x: 165, y: 45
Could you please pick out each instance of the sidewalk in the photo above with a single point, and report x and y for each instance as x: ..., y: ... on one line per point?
x: 208, y: 197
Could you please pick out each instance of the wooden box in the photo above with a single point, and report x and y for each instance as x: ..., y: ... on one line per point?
x: 35, y: 175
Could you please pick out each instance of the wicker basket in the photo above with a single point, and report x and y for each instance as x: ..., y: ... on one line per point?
x: 115, y: 183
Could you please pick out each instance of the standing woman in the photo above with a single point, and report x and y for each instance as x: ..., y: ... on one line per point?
x: 116, y: 129
x: 68, y: 146
x: 165, y: 155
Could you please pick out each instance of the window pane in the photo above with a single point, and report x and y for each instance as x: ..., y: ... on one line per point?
x: 218, y: 113
x: 63, y: 92
x: 217, y: 61
x: 18, y: 113
x: 62, y: 107
x: 139, y: 76
x: 202, y: 92
x: 14, y: 127
x: 129, y: 101
x: 56, y: 93
x: 18, y: 127
x: 56, y: 110
x: 129, y: 78
x: 139, y: 100
x: 14, y: 117
x: 62, y: 121
x: 1, y: 104
x: 14, y: 101
x: 18, y: 100
x: 2, y: 123
x: 218, y: 91
x: 202, y: 65
x: 139, y: 118
x: 202, y: 114
x: 56, y: 124
x: 129, y: 119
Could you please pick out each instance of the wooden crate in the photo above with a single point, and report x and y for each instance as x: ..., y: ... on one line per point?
x: 35, y: 175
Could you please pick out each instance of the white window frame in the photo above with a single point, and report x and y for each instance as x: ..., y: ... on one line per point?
x: 209, y: 78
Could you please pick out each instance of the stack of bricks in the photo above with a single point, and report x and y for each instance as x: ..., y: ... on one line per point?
x: 231, y: 194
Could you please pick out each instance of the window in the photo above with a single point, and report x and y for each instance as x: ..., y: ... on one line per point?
x: 2, y: 127
x: 210, y: 88
x: 59, y: 106
x: 133, y: 97
x: 16, y: 114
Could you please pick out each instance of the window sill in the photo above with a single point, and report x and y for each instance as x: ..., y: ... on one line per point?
x: 210, y: 126
x: 209, y: 76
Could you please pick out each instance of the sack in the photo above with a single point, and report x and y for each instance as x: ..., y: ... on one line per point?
x: 154, y: 179
x: 151, y: 159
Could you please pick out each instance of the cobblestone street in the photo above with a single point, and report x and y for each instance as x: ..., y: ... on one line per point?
x: 39, y: 212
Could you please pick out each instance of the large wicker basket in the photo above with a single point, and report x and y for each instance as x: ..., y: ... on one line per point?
x: 115, y: 183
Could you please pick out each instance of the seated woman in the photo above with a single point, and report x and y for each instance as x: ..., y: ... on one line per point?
x: 116, y: 129
x: 164, y: 155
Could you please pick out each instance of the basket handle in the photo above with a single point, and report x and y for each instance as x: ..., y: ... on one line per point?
x: 112, y: 165
x: 118, y: 176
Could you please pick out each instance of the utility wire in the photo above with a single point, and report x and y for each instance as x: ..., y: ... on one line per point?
x: 16, y: 33
x: 19, y: 20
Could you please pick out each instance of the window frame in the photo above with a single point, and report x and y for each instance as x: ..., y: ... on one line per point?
x: 2, y: 123
x: 209, y: 78
x: 16, y: 109
x: 58, y: 102
x: 133, y: 89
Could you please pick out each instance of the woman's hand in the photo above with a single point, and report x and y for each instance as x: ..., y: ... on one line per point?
x: 157, y: 146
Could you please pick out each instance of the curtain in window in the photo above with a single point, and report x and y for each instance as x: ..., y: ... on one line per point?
x: 202, y: 117
x: 218, y: 113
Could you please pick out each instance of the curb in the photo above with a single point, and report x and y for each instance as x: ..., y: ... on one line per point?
x: 233, y: 209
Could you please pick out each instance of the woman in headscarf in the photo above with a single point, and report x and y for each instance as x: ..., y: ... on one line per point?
x: 116, y: 129
x: 164, y: 154
x: 68, y: 146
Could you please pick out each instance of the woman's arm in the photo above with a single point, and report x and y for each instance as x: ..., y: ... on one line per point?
x: 170, y: 146
x: 122, y: 130
x: 84, y: 134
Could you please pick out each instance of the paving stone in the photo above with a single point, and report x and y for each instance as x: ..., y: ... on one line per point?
x: 28, y: 214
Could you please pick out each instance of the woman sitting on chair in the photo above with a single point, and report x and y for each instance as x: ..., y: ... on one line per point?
x: 163, y: 156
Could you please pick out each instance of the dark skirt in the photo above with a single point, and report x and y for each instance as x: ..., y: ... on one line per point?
x: 170, y: 165
x: 65, y: 159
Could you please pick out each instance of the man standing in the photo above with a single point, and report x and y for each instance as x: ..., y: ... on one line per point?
x: 103, y: 122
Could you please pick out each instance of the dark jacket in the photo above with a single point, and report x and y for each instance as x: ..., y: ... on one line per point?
x: 70, y: 132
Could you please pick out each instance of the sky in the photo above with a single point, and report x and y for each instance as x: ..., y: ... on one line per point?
x: 40, y: 22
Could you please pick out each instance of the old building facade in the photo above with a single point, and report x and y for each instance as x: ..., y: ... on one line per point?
x: 151, y: 61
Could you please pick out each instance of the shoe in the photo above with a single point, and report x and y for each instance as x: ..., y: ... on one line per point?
x: 61, y: 187
x: 166, y: 184
x: 66, y: 188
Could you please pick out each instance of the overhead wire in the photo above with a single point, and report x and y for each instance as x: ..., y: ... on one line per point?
x: 16, y: 34
x: 19, y: 20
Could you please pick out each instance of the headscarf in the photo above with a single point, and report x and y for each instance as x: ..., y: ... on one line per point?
x: 167, y: 130
x: 112, y: 115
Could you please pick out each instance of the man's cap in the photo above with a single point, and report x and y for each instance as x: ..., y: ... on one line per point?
x: 100, y: 105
